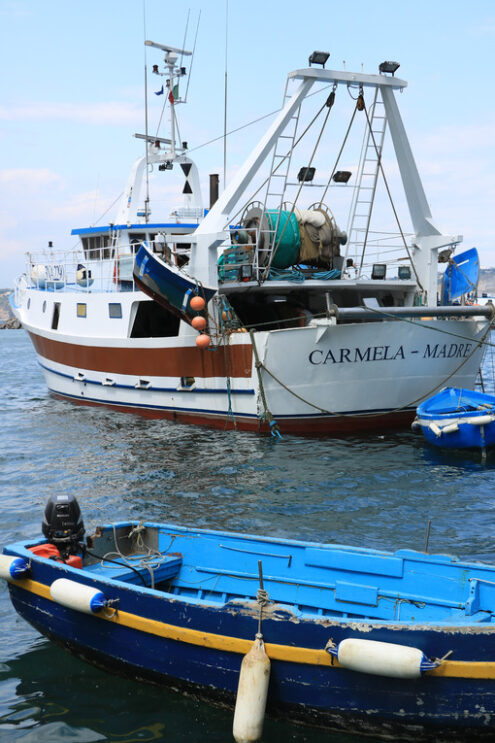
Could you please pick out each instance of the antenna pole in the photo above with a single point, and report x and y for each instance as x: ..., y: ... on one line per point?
x: 225, y: 97
x: 172, y: 110
x: 147, y: 199
x: 192, y: 58
x: 185, y: 34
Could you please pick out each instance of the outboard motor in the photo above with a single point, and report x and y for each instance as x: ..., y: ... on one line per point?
x: 62, y: 523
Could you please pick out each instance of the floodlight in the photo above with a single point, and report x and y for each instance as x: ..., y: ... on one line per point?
x: 379, y: 271
x: 342, y: 176
x: 318, y: 58
x: 306, y: 174
x: 405, y: 272
x: 389, y: 67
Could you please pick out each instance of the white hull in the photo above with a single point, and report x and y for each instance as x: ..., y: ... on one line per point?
x: 321, y: 378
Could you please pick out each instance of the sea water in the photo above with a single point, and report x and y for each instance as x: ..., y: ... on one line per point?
x: 377, y: 490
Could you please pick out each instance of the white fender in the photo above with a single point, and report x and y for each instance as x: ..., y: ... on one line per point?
x: 380, y: 658
x: 480, y: 420
x: 436, y: 430
x: 251, y: 694
x: 13, y: 568
x: 451, y: 428
x: 74, y: 595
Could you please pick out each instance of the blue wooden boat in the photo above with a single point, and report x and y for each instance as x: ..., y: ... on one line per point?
x: 461, y: 276
x: 168, y: 284
x: 458, y: 419
x: 395, y: 644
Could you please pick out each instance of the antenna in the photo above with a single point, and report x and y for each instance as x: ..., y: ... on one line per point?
x: 185, y: 34
x: 167, y: 49
x: 147, y: 199
x: 225, y: 96
x: 192, y: 59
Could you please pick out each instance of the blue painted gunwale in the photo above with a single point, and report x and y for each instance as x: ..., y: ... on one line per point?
x: 453, y: 404
x: 141, y: 227
x: 170, y: 287
x: 331, y: 695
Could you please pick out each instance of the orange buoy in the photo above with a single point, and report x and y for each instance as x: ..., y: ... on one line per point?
x: 198, y: 322
x: 197, y: 304
x: 203, y: 340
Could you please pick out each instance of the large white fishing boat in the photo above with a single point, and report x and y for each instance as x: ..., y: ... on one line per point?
x: 261, y: 313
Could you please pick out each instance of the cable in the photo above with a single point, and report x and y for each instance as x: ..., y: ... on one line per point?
x: 116, y: 562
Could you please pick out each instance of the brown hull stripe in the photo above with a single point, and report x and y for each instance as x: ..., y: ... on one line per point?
x: 232, y: 361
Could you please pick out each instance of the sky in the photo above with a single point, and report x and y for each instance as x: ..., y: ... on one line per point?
x: 73, y: 95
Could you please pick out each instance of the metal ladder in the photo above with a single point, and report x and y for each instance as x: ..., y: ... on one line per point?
x: 275, y: 190
x: 367, y: 180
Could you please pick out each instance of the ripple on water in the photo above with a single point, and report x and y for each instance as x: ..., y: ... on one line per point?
x: 371, y: 490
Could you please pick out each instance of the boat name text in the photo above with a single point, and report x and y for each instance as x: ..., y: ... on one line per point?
x: 387, y: 353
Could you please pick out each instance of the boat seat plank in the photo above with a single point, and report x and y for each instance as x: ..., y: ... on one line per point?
x: 373, y: 564
x: 164, y: 570
x: 355, y: 593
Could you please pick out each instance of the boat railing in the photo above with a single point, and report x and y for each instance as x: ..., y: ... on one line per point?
x: 242, y: 262
x: 102, y: 269
x: 75, y: 270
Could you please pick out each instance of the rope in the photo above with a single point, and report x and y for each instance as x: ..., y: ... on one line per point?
x: 329, y: 104
x: 259, y: 366
x: 233, y: 219
x: 361, y: 105
x: 338, y: 156
x: 150, y: 559
x: 261, y: 597
x: 223, y: 307
x: 274, y: 430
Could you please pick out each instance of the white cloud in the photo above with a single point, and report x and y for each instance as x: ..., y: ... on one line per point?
x: 485, y: 29
x: 86, y: 206
x: 111, y: 112
x: 28, y: 180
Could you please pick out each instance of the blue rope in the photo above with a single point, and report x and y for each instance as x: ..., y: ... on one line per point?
x: 292, y: 274
x: 326, y: 275
x: 295, y: 275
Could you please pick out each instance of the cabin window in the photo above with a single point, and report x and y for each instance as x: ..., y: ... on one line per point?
x: 29, y: 303
x: 115, y: 310
x: 56, y: 315
x: 81, y: 309
x: 154, y: 321
x: 97, y: 247
x: 44, y: 306
x: 135, y: 240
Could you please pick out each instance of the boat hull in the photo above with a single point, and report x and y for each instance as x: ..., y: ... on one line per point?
x: 458, y: 419
x: 151, y: 639
x: 312, y: 380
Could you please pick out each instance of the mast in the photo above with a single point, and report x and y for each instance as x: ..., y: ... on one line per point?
x: 160, y: 150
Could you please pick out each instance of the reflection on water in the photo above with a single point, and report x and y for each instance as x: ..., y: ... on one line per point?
x: 374, y: 490
x: 47, y: 695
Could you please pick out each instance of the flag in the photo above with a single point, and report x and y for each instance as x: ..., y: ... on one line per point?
x: 173, y: 94
x: 159, y: 92
x: 171, y: 97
